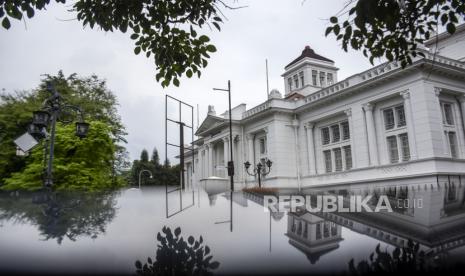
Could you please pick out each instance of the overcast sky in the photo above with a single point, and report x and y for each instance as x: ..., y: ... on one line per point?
x: 277, y: 30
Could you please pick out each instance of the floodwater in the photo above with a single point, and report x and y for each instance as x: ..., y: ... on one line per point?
x: 107, y: 233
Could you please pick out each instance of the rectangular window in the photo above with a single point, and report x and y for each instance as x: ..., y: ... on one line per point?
x: 318, y: 231
x: 336, y: 133
x: 403, y: 139
x: 451, y: 193
x: 289, y: 83
x: 296, y: 81
x: 262, y: 145
x: 322, y: 79
x: 302, y: 80
x: 453, y: 144
x: 392, y: 149
x: 326, y: 229
x: 325, y: 135
x: 330, y: 79
x: 328, y: 161
x: 345, y: 130
x: 314, y: 77
x: 338, y: 159
x: 448, y: 116
x: 388, y: 119
x: 400, y: 113
x: 348, y: 157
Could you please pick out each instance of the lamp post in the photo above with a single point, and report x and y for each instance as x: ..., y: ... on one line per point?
x: 231, y: 160
x: 259, y: 170
x: 140, y: 175
x: 55, y: 110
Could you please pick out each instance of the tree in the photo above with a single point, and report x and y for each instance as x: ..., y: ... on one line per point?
x: 99, y: 106
x: 178, y: 256
x: 394, y: 29
x: 167, y: 163
x: 155, y: 157
x: 161, y: 174
x: 79, y: 164
x: 167, y: 30
x: 144, y: 156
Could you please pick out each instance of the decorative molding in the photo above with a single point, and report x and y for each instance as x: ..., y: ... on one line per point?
x: 348, y: 112
x: 368, y: 107
x: 461, y: 98
x: 405, y: 94
x: 309, y: 125
x: 437, y: 91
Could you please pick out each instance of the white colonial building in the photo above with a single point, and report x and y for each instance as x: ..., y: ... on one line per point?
x: 381, y: 124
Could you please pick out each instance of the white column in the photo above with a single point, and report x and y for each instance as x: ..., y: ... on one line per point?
x: 199, y: 170
x: 210, y: 160
x: 462, y: 107
x: 348, y: 113
x: 310, y: 148
x: 410, y: 125
x: 225, y: 154
x: 250, y: 157
x: 372, y: 144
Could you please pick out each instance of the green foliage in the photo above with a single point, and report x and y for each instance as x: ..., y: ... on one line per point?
x: 161, y: 174
x: 393, y: 29
x: 99, y: 105
x: 79, y: 164
x: 165, y: 29
x: 144, y: 156
x: 155, y: 158
x: 177, y: 256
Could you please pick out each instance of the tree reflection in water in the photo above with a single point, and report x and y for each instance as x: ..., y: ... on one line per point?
x: 409, y: 259
x: 176, y: 256
x: 61, y: 215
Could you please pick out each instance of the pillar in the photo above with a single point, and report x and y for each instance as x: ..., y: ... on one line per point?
x: 370, y: 124
x: 310, y: 148
x: 226, y: 154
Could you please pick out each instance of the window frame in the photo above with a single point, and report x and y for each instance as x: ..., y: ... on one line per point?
x: 334, y: 146
x: 315, y: 77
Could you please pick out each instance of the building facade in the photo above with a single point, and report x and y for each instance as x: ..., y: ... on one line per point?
x: 382, y: 124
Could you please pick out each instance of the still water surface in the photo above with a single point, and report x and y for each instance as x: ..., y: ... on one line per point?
x: 107, y: 233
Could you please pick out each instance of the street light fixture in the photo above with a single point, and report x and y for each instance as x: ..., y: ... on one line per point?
x: 53, y: 110
x: 259, y: 170
x: 82, y: 129
x: 140, y: 175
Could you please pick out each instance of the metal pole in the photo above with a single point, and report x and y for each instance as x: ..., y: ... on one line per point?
x: 181, y: 153
x: 259, y: 178
x: 231, y: 139
x: 267, y: 85
x: 49, y: 178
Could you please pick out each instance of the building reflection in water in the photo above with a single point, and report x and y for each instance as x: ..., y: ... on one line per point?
x: 432, y: 215
x: 312, y: 235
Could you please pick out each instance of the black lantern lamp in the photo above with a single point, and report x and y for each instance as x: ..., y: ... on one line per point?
x: 36, y: 131
x: 259, y: 170
x: 82, y: 128
x: 40, y: 118
x: 269, y: 163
